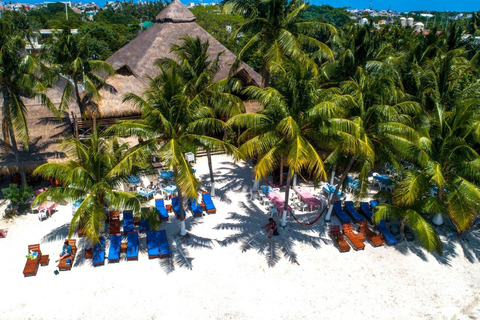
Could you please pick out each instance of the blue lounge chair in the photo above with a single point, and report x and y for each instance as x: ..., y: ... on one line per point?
x: 357, y: 217
x: 207, y: 200
x: 144, y: 225
x: 365, y: 209
x: 152, y: 245
x: 127, y: 221
x: 164, y: 248
x: 160, y: 205
x: 342, y: 216
x: 114, y: 251
x: 132, y: 246
x: 195, y: 207
x: 176, y: 206
x: 99, y: 253
x: 373, y: 203
x: 387, y: 235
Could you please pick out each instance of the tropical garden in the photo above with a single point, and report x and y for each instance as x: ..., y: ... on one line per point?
x: 338, y: 100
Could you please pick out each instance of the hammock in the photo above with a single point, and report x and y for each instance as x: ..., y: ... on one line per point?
x: 310, y: 223
x: 274, y: 186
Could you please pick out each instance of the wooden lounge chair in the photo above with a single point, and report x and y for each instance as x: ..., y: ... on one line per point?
x: 132, y: 246
x: 338, y: 238
x: 63, y: 266
x: 114, y: 251
x: 354, y: 239
x: 207, y: 201
x: 31, y: 266
x: 374, y: 239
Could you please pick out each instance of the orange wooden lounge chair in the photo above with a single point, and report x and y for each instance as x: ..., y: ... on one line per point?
x: 374, y: 239
x: 354, y: 239
x: 31, y: 266
x: 63, y: 266
x: 338, y: 238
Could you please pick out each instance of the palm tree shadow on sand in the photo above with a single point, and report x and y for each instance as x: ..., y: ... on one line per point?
x: 227, y: 176
x: 252, y: 237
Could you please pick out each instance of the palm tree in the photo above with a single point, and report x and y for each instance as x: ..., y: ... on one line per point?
x: 170, y: 126
x: 379, y: 129
x: 21, y: 76
x: 95, y: 172
x: 198, y: 72
x: 287, y: 130
x: 278, y: 31
x: 64, y: 52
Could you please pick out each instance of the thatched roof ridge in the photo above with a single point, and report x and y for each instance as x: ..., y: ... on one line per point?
x: 175, y: 12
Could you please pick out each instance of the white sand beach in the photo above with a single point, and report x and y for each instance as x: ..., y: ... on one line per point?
x: 231, y: 270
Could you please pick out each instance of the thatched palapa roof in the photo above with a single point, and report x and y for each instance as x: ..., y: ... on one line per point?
x: 135, y: 61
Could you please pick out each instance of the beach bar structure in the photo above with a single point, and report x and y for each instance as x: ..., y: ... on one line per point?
x: 135, y: 63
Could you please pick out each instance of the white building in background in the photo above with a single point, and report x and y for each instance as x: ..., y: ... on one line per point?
x: 418, y: 27
x: 36, y: 43
x: 363, y: 21
x: 410, y: 22
x: 403, y: 22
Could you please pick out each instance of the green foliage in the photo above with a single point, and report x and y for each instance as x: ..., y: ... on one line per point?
x: 221, y: 26
x: 53, y: 16
x: 338, y: 17
x: 19, y: 197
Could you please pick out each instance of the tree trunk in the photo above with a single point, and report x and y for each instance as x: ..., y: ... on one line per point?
x: 294, y: 184
x: 287, y: 195
x: 438, y: 218
x: 183, y: 230
x: 334, y: 196
x: 281, y: 171
x: 210, y: 168
x: 265, y: 76
x: 13, y: 140
x: 17, y: 157
x: 77, y: 92
x: 332, y: 178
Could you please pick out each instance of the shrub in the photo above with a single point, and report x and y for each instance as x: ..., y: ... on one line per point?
x: 19, y: 197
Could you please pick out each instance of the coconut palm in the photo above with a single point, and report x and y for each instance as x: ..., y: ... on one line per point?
x: 97, y: 169
x: 170, y: 126
x: 198, y: 72
x: 379, y: 129
x: 21, y: 76
x: 278, y: 31
x: 287, y: 130
x: 64, y: 52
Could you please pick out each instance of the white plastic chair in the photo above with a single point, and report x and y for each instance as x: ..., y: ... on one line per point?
x: 42, y: 214
x: 273, y: 211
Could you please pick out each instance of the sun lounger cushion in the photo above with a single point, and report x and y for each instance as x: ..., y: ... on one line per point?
x: 342, y: 216
x: 114, y: 250
x: 99, y: 253
x: 152, y: 245
x: 160, y: 205
x: 207, y: 199
x: 195, y: 207
x: 132, y: 246
x: 176, y: 206
x: 387, y: 235
x: 353, y: 212
x: 127, y: 221
x: 373, y: 203
x: 143, y: 225
x: 365, y: 209
x: 164, y: 248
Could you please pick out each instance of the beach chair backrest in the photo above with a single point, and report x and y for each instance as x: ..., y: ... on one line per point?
x: 159, y: 202
x: 207, y: 197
